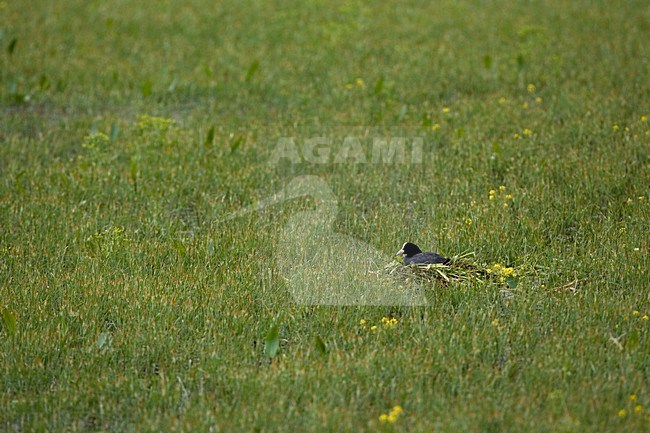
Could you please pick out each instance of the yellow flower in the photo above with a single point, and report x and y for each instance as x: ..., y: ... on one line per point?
x: 508, y: 196
x: 635, y: 313
x: 468, y: 221
x: 392, y: 416
x: 622, y: 413
x: 373, y: 328
x: 360, y: 82
x: 362, y: 322
x: 502, y: 100
x: 645, y: 317
x: 505, y: 204
x: 538, y: 100
x: 615, y: 128
x: 531, y: 88
x: 638, y: 408
x: 495, y: 322
x: 629, y: 200
x: 524, y: 105
x: 502, y: 188
x: 515, y: 136
x: 644, y: 118
x: 632, y: 397
x: 446, y: 109
x: 435, y: 127
x: 527, y: 132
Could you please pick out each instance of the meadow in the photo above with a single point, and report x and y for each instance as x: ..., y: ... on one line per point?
x: 131, y: 132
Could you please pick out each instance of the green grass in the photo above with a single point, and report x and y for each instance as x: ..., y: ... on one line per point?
x: 129, y: 304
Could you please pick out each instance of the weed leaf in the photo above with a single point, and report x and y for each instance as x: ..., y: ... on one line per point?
x: 272, y: 342
x: 210, y: 137
x: 252, y: 69
x: 320, y: 345
x: 10, y: 320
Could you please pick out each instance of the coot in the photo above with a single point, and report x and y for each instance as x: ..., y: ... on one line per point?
x: 413, y: 255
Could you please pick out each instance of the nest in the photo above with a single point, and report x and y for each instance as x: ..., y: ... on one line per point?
x: 460, y: 268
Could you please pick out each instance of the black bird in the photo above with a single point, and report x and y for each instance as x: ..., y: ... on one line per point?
x: 413, y: 255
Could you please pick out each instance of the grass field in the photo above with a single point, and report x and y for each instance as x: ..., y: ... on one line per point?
x: 131, y: 132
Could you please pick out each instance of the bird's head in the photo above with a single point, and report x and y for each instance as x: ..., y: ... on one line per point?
x: 409, y: 249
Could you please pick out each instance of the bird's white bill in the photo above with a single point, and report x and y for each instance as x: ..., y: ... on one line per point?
x: 400, y: 253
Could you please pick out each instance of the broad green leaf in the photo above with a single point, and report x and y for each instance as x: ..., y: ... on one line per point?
x: 178, y: 245
x: 236, y: 143
x: 9, y: 319
x: 252, y: 69
x: 12, y: 46
x: 320, y: 345
x: 146, y: 88
x: 272, y: 342
x: 210, y: 137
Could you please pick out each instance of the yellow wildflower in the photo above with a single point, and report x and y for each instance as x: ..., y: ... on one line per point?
x: 435, y: 127
x: 515, y: 136
x: 615, y: 128
x: 392, y: 416
x: 531, y: 88
x: 505, y: 204
x: 638, y: 408
x: 527, y: 132
x: 502, y: 100
x: 508, y: 196
x: 362, y: 322
x: 635, y: 313
x: 373, y: 328
x: 644, y: 118
x: 502, y: 188
x: 632, y: 397
x: 645, y: 317
x: 622, y: 413
x: 524, y: 105
x: 360, y: 82
x: 446, y: 109
x: 468, y: 221
x: 538, y: 100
